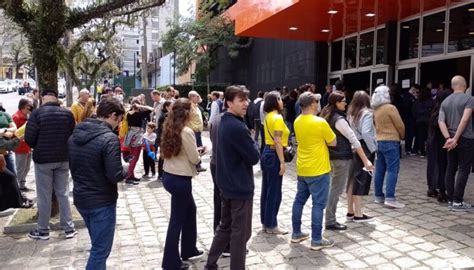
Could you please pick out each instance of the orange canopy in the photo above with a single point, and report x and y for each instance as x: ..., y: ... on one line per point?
x: 321, y: 20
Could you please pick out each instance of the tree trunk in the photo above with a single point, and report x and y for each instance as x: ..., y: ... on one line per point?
x: 69, y: 93
x: 46, y: 60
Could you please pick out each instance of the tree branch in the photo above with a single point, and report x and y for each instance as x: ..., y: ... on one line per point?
x: 79, y: 17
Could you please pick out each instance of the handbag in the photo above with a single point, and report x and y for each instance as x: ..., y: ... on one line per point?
x: 134, y: 137
x: 289, y: 152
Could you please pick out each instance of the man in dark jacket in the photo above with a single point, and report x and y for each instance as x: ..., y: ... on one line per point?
x: 47, y: 132
x: 96, y: 168
x: 235, y: 157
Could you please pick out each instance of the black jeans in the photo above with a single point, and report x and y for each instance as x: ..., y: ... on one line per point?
x: 217, y: 199
x: 235, y: 228
x: 148, y: 163
x: 182, y: 221
x: 421, y: 136
x: 160, y: 167
x: 437, y: 162
x: 409, y: 136
x: 462, y: 157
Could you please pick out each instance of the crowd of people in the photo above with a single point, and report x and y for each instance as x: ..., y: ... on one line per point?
x: 337, y: 136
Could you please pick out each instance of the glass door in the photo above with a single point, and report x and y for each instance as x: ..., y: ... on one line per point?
x: 407, y: 76
x: 379, y: 77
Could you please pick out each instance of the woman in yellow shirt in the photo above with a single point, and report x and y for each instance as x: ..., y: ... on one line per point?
x: 273, y: 163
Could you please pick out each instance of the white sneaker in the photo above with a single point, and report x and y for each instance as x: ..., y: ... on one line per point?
x: 394, y: 204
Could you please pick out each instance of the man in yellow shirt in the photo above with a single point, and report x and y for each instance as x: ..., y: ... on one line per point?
x: 313, y: 135
x: 77, y: 107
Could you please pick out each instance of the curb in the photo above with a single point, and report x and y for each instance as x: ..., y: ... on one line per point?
x: 25, y: 228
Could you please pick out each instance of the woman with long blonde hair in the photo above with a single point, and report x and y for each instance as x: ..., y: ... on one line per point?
x: 361, y: 120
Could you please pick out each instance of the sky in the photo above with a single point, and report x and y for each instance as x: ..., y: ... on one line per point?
x: 184, y: 7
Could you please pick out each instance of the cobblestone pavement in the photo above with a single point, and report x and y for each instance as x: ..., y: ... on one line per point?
x: 422, y: 235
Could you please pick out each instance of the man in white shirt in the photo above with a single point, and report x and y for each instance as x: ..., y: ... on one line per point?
x: 215, y: 110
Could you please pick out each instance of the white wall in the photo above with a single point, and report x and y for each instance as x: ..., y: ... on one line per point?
x: 166, y: 65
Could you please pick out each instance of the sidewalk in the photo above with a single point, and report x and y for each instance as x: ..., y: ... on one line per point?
x: 422, y: 235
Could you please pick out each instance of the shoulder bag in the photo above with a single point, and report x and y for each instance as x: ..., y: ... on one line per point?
x: 289, y: 152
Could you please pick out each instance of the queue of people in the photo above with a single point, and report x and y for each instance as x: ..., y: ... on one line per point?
x: 337, y: 145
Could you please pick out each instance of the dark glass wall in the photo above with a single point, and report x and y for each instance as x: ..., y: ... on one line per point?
x: 272, y: 63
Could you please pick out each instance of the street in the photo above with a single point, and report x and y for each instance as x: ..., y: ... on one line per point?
x: 10, y: 102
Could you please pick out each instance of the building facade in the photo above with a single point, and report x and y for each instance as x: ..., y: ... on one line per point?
x: 366, y: 43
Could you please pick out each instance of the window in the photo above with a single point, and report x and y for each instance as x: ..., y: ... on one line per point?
x: 461, y: 28
x: 433, y: 34
x: 350, y: 53
x: 380, y: 54
x: 409, y: 36
x: 366, y: 49
x: 336, y: 55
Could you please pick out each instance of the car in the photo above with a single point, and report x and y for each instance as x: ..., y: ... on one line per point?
x: 61, y: 89
x: 10, y: 85
x: 3, y: 87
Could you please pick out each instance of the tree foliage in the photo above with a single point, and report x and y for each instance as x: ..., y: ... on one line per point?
x: 44, y: 23
x: 20, y: 55
x: 94, y: 50
x: 196, y: 41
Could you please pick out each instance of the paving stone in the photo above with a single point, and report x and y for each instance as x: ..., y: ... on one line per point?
x: 461, y: 262
x: 375, y: 260
x: 403, y: 247
x: 419, y: 255
x: 354, y: 264
x: 469, y: 252
x: 405, y: 262
x: 437, y: 263
x: 427, y: 246
x: 452, y: 245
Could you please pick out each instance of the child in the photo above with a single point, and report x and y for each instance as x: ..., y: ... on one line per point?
x: 149, y: 139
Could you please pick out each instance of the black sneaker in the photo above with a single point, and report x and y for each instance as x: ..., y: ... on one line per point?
x: 201, y: 169
x: 432, y: 193
x: 336, y: 227
x: 226, y: 254
x: 442, y: 198
x: 349, y: 216
x: 35, y: 234
x: 127, y: 159
x: 70, y: 234
x: 198, y: 255
x: 363, y: 218
x: 131, y: 182
x: 460, y: 207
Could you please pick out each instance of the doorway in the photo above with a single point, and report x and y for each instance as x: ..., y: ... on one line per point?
x: 443, y: 71
x: 356, y: 81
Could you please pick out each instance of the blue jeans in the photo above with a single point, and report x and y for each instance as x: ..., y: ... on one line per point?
x: 10, y: 162
x: 198, y: 138
x: 100, y: 223
x: 388, y: 161
x: 318, y: 188
x: 182, y: 221
x: 270, y: 198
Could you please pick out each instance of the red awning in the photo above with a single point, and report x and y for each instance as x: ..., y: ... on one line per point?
x: 321, y: 20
